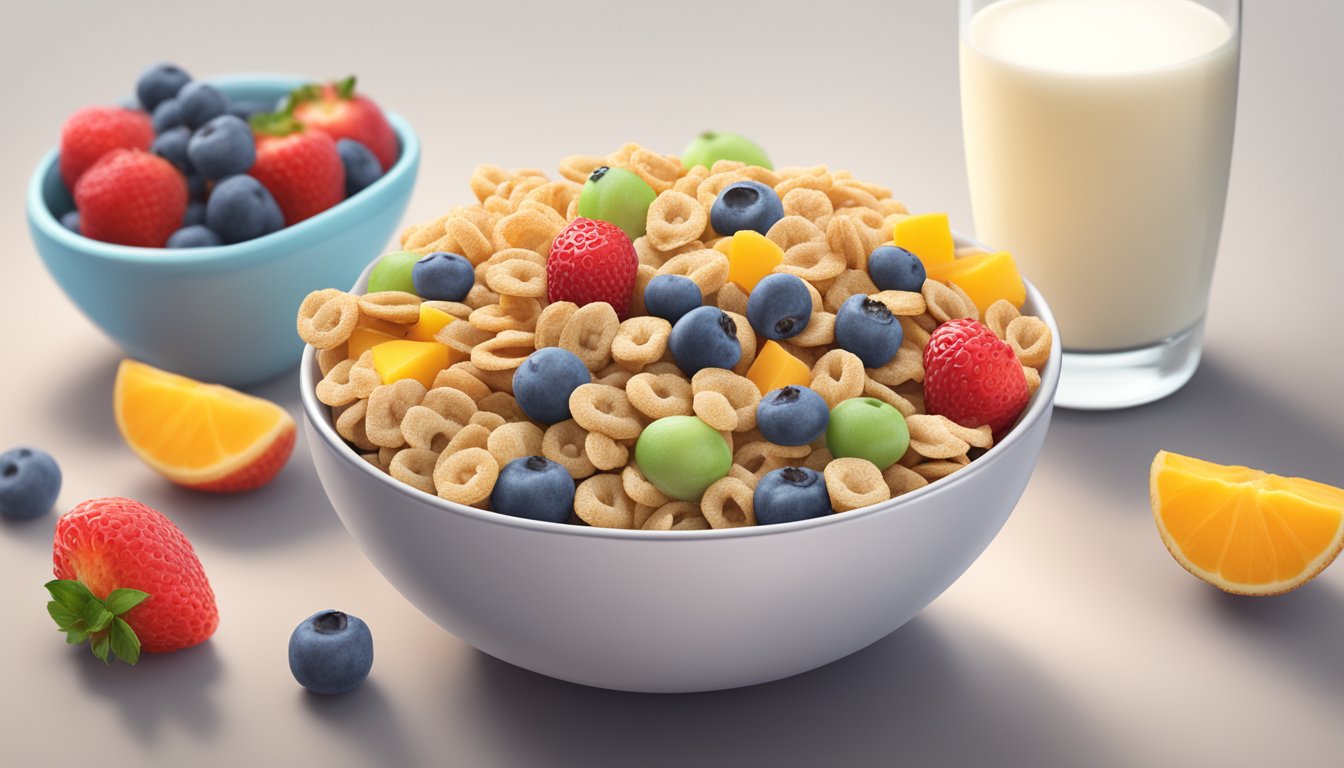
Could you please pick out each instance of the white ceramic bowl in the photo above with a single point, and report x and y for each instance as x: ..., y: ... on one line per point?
x: 677, y: 610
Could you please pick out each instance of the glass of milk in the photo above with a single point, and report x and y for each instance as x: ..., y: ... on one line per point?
x: 1098, y: 138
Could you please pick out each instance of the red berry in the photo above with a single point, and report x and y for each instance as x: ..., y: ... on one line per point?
x: 115, y: 543
x: 590, y: 261
x: 972, y: 377
x: 131, y: 197
x: 92, y: 132
x: 301, y: 168
x: 336, y: 110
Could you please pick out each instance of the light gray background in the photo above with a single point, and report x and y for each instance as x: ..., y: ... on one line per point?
x: 1075, y: 639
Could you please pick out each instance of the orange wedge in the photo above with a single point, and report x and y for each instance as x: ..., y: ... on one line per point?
x: 203, y: 436
x: 1242, y: 530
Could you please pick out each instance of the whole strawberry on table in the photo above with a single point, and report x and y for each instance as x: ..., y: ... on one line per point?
x: 187, y: 167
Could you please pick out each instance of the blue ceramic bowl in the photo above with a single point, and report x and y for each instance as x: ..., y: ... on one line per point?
x: 223, y: 314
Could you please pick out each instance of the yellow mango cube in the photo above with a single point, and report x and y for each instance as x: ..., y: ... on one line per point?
x: 367, y: 337
x: 752, y: 257
x: 774, y: 367
x: 432, y: 320
x: 985, y: 277
x: 404, y: 359
x: 928, y: 236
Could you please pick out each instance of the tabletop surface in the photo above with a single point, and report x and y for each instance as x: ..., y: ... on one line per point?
x: 1074, y: 640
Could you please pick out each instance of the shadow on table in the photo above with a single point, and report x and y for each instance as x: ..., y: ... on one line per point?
x: 364, y: 719
x: 911, y: 698
x: 162, y: 691
x: 80, y: 400
x: 1301, y: 631
x: 36, y: 533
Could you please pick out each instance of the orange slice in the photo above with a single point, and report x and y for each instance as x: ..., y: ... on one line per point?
x: 202, y: 436
x: 1242, y: 530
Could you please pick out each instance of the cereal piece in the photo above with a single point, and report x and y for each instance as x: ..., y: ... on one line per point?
x: 935, y: 470
x: 504, y: 256
x: 820, y: 331
x: 605, y: 409
x: 374, y: 460
x: 480, y: 296
x: 738, y: 393
x: 746, y: 337
x: 820, y: 182
x: 589, y: 333
x: 676, y: 516
x: 691, y: 180
x: 849, y: 196
x: 818, y: 459
x: 638, y: 487
x: 327, y: 318
x: 708, y: 190
x: 486, y: 178
x: 791, y: 231
x: 551, y: 322
x: 347, y: 382
x: 706, y: 267
x: 330, y: 358
x: 760, y: 457
x: 1030, y: 339
x: 605, y: 453
x: 937, y: 437
x: 844, y: 238
x: 512, y: 313
x: 660, y: 395
x: 728, y: 503
x: 470, y: 436
x: 914, y: 333
x: 901, y: 480
x: 393, y: 306
x: 907, y: 303
x: 906, y: 365
x: 998, y: 316
x: 1033, y: 377
x: 946, y: 303
x: 415, y: 467
x: 715, y: 410
x: 565, y: 443
x: 838, y: 376
x: 642, y: 514
x: 503, y: 404
x: 814, y: 262
x: 848, y: 283
x: 514, y: 440
x: 488, y: 419
x: 462, y: 337
x: 530, y: 228
x: 556, y: 195
x: 743, y: 474
x: 465, y: 476
x: 640, y: 341
x: 600, y: 501
x: 577, y: 168
x: 731, y: 298
x: 853, y: 483
x: 613, y: 376
x: 675, y: 219
x: 657, y: 170
x: 504, y: 352
x: 469, y: 234
x: 880, y: 391
x: 458, y: 378
x: 440, y: 415
x: 388, y: 404
x: 350, y: 425
x: 810, y: 204
x: 517, y: 277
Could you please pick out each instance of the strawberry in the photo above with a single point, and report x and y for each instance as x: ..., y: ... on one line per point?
x: 131, y: 197
x: 128, y: 580
x: 301, y: 168
x: 972, y: 377
x: 92, y: 132
x: 336, y: 110
x: 592, y: 260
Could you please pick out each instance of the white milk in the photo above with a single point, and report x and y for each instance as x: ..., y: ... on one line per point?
x: 1098, y: 137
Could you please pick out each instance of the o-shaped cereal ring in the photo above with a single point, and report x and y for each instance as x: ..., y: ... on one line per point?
x: 675, y: 219
x: 659, y: 395
x: 853, y: 483
x: 327, y: 318
x: 728, y: 503
x: 600, y: 501
x: 640, y: 341
x: 466, y: 476
x: 604, y: 409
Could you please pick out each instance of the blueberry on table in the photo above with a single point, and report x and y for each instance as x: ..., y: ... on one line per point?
x: 779, y: 307
x: 171, y: 145
x: 867, y: 428
x: 790, y: 494
x: 441, y: 276
x: 200, y: 103
x: 194, y: 236
x: 867, y: 328
x: 671, y: 296
x: 361, y: 165
x: 222, y: 147
x: 158, y: 84
x: 394, y: 272
x: 617, y: 196
x: 896, y: 269
x: 331, y: 652
x: 70, y: 220
x: 30, y: 481
x: 745, y: 205
x: 535, y: 488
x: 240, y: 208
x: 543, y: 383
x: 167, y: 115
x: 792, y: 415
x: 705, y: 337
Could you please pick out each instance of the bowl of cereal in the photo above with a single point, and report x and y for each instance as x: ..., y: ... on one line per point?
x: 222, y: 313
x: 634, y: 587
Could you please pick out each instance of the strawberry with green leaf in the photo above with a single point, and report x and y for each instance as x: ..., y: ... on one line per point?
x: 300, y: 167
x: 338, y: 111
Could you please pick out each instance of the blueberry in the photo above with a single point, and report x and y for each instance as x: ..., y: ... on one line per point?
x: 197, y: 187
x: 30, y: 481
x: 240, y: 208
x: 171, y: 145
x: 866, y: 327
x: 745, y: 205
x: 222, y: 147
x: 779, y: 306
x: 896, y: 269
x: 195, y: 213
x: 200, y: 103
x: 543, y: 383
x: 790, y: 494
x: 792, y: 416
x: 331, y: 652
x: 671, y: 296
x: 167, y: 115
x: 705, y: 337
x: 158, y: 84
x: 194, y: 236
x: 443, y: 276
x: 247, y: 108
x: 71, y: 221
x: 536, y: 488
x: 361, y: 166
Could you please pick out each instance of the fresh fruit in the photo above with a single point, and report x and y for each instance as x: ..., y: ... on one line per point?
x: 774, y: 367
x: 171, y: 145
x: 432, y: 320
x: 1243, y: 530
x: 443, y: 276
x: 713, y: 146
x: 682, y: 456
x: 705, y: 337
x: 592, y: 261
x: 790, y: 494
x: 116, y: 558
x: 928, y: 236
x: 338, y: 111
x: 222, y: 147
x: 240, y: 208
x: 331, y: 652
x: 194, y: 236
x: 867, y: 328
x: 395, y: 272
x: 92, y: 132
x: 158, y: 84
x: 199, y: 103
x: 745, y: 205
x: 985, y: 277
x: 301, y: 168
x: 419, y: 360
x: 167, y: 115
x: 896, y: 269
x: 202, y: 436
x: 617, y: 196
x: 751, y: 257
x: 30, y: 481
x: 131, y: 197
x: 362, y: 339
x: 867, y: 428
x: 70, y: 220
x: 779, y: 307
x: 195, y: 213
x: 792, y: 415
x: 543, y: 383
x: 972, y: 377
x: 671, y: 296
x: 535, y: 488
x: 361, y: 167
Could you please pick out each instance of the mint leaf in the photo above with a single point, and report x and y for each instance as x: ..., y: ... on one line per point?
x: 124, y: 642
x: 102, y: 644
x: 96, y: 615
x: 64, y: 617
x: 123, y: 600
x: 70, y: 594
x: 76, y: 635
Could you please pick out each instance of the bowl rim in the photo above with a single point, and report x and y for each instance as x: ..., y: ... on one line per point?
x: 256, y: 249
x: 1040, y: 406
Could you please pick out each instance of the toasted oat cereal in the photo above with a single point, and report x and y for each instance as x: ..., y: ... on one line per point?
x: 514, y: 440
x: 393, y: 306
x: 640, y: 341
x: 589, y: 332
x: 415, y: 467
x: 837, y: 376
x: 938, y: 437
x: 729, y: 503
x: 388, y: 404
x: 600, y: 501
x: 738, y: 393
x: 675, y: 219
x: 853, y: 483
x: 327, y: 318
x: 676, y: 516
x: 660, y: 395
x: 1030, y: 339
x: 565, y: 444
x: 901, y: 479
x: 465, y: 476
x: 605, y: 453
x: 605, y: 409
